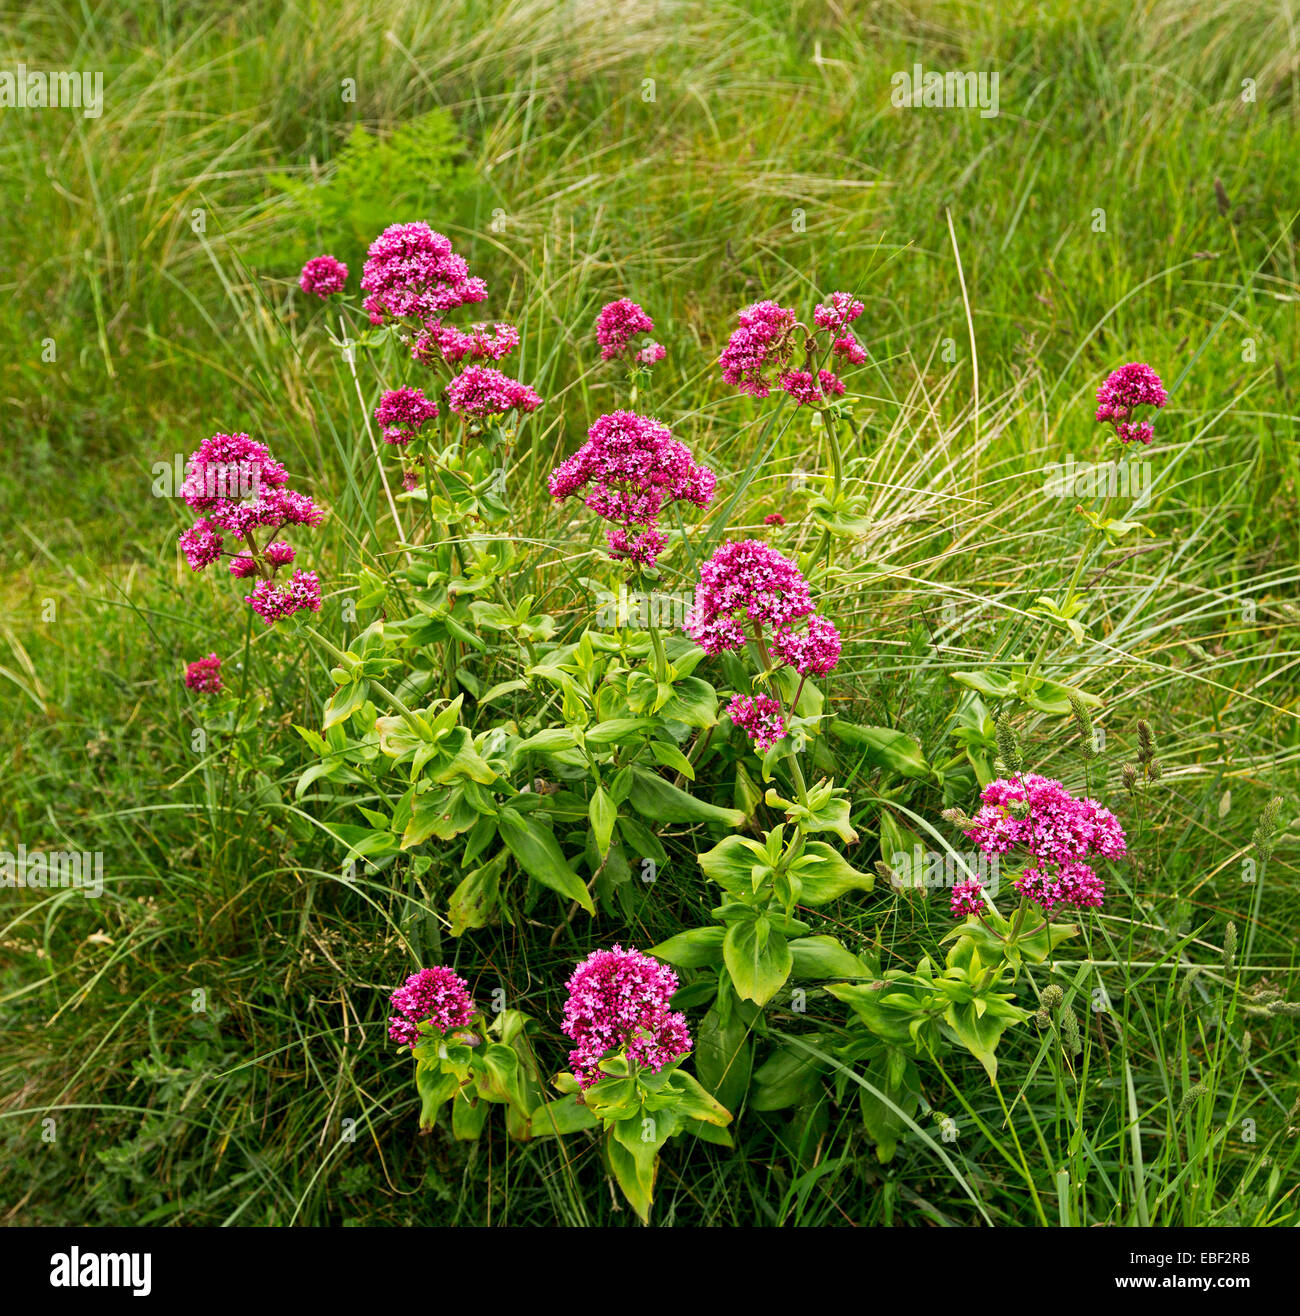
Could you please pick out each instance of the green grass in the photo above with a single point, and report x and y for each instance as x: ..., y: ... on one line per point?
x: 570, y: 189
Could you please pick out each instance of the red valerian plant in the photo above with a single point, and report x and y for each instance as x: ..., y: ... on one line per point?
x: 546, y: 747
x: 242, y: 490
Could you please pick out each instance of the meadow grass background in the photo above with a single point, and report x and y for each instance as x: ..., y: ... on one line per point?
x: 566, y: 187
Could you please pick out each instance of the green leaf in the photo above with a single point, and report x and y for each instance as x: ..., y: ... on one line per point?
x: 343, y: 703
x: 603, y: 814
x: 824, y: 957
x: 693, y: 701
x: 824, y: 874
x: 669, y: 756
x: 695, y: 1103
x: 539, y: 855
x: 696, y: 948
x: 473, y: 903
x: 660, y: 801
x: 436, y: 1086
x: 564, y: 1115
x: 758, y: 959
x: 883, y: 747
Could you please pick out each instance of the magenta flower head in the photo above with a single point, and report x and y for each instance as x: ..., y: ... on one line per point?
x: 1054, y: 832
x: 436, y: 996
x: 629, y: 470
x: 810, y: 391
x: 411, y: 273
x: 1132, y: 385
x: 323, y: 276
x: 967, y: 899
x: 204, y: 675
x: 480, y: 342
x: 619, y: 999
x: 481, y: 392
x: 641, y: 550
x: 814, y: 651
x: 841, y: 312
x: 274, y: 602
x: 242, y: 490
x: 760, y: 717
x: 402, y: 411
x: 651, y: 353
x: 745, y: 580
x: 617, y: 324
x: 763, y: 343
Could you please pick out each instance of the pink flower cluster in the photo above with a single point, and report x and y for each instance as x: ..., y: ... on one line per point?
x: 808, y: 391
x: 759, y: 353
x: 412, y: 273
x: 617, y: 324
x: 401, y: 412
x: 204, y: 675
x: 763, y: 341
x: 745, y: 576
x: 1055, y: 831
x: 436, y: 995
x: 760, y: 717
x: 274, y: 602
x: 323, y: 276
x: 241, y: 488
x: 631, y: 467
x: 841, y: 312
x: 619, y: 999
x: 480, y: 342
x: 480, y: 392
x: 966, y: 899
x: 1132, y: 385
x: 814, y: 651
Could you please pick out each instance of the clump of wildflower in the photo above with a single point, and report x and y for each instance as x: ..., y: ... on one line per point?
x: 760, y: 717
x: 1057, y: 833
x: 651, y: 353
x: 750, y: 578
x: 274, y: 602
x: 201, y: 545
x: 617, y: 324
x: 808, y: 391
x: 412, y: 273
x: 841, y: 312
x: 629, y: 469
x: 1133, y: 385
x: 437, y: 996
x: 204, y: 675
x: 401, y: 412
x: 618, y: 999
x: 763, y: 342
x: 967, y: 898
x: 642, y: 550
x: 774, y: 518
x: 480, y: 392
x: 814, y: 651
x: 760, y: 353
x: 323, y: 276
x: 849, y: 350
x: 242, y: 489
x: 480, y: 342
